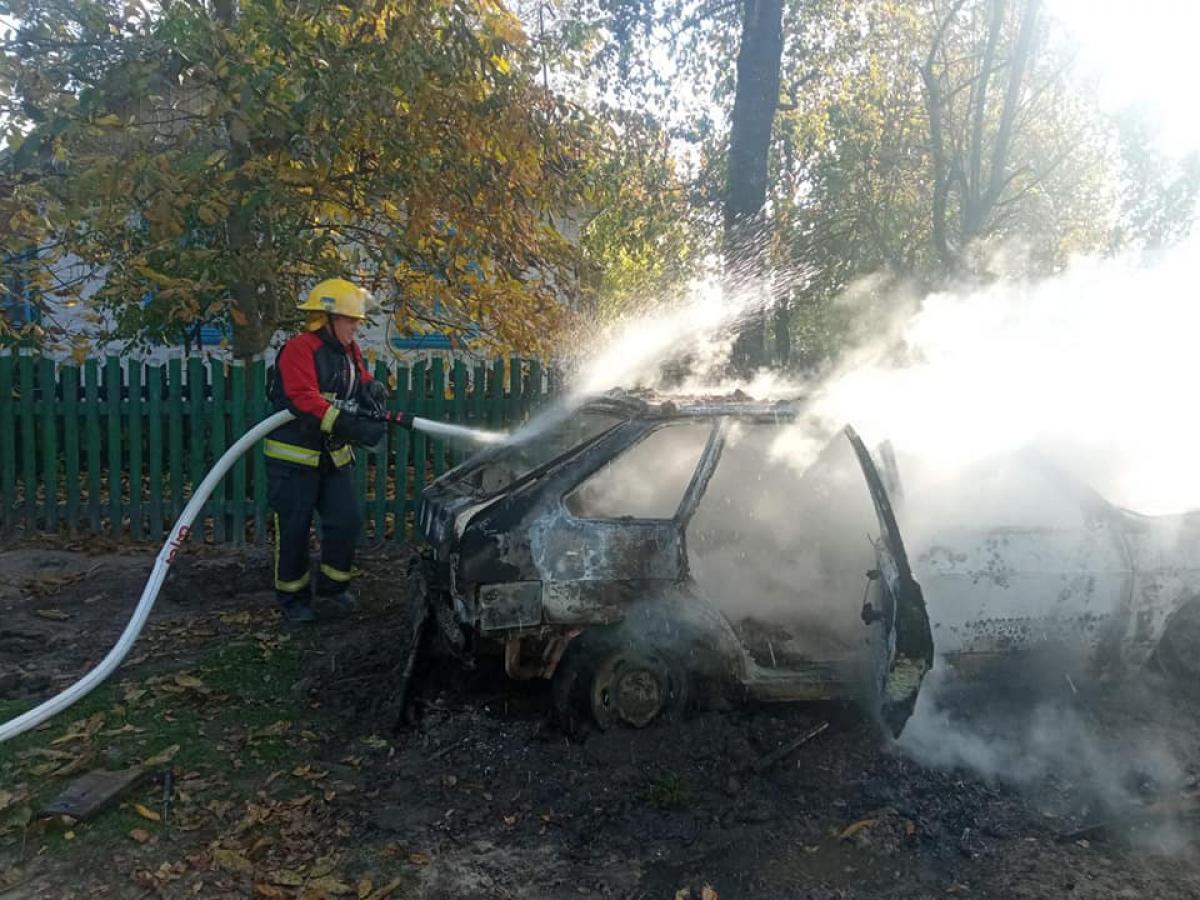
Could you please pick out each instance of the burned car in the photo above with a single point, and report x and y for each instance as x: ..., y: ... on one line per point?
x: 649, y: 552
x: 1031, y: 573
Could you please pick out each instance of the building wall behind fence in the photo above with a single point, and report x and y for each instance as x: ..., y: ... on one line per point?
x: 115, y: 447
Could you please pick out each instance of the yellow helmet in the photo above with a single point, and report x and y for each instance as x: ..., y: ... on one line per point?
x: 338, y: 297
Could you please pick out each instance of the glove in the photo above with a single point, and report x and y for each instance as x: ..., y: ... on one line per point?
x: 357, y: 430
x: 376, y: 394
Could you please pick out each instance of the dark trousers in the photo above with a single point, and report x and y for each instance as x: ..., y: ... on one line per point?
x: 294, y: 492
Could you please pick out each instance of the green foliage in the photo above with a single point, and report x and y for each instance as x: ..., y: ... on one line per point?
x: 645, y: 238
x: 221, y: 163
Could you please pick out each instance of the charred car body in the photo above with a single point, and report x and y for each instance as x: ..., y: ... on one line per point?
x: 641, y: 551
x: 1032, y: 573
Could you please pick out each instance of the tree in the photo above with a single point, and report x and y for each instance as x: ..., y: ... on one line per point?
x: 213, y: 162
x: 755, y: 101
x: 706, y: 38
x: 643, y: 236
x: 1005, y: 124
x: 1158, y: 192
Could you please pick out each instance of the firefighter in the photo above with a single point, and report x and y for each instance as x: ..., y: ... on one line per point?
x: 310, y: 460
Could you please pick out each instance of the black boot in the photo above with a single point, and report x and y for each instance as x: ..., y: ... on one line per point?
x: 296, y: 608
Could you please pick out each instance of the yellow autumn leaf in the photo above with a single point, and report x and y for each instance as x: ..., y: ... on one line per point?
x: 286, y: 877
x: 109, y: 120
x: 330, y: 885
x: 146, y: 813
x: 163, y: 757
x: 232, y: 861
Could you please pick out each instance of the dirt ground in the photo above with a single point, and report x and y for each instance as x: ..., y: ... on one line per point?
x: 287, y: 779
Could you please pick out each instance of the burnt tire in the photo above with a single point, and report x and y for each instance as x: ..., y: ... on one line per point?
x: 607, y: 680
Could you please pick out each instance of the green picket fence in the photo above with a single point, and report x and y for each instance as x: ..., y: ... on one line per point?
x: 115, y: 447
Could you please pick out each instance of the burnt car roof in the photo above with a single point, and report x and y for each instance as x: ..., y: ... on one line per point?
x: 655, y: 405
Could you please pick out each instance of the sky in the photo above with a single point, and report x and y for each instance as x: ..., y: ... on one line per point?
x: 1143, y: 51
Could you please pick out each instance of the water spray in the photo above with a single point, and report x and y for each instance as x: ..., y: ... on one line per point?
x: 179, y: 534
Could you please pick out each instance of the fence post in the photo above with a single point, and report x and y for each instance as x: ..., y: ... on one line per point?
x: 496, y: 406
x: 381, y: 466
x: 91, y: 372
x: 133, y: 375
x: 535, y: 387
x: 8, y: 445
x: 28, y: 457
x: 49, y: 389
x: 420, y: 445
x: 217, y: 501
x: 237, y: 427
x: 196, y: 434
x: 437, y: 412
x: 112, y: 393
x: 154, y: 400
x: 70, y: 383
x: 514, y: 393
x: 175, y: 433
x: 458, y: 412
x: 477, y: 396
x: 258, y: 412
x: 401, y: 400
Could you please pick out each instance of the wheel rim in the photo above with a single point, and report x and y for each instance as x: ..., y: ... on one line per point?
x: 629, y: 688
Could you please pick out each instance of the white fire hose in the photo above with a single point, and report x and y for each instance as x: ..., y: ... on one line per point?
x: 166, y: 556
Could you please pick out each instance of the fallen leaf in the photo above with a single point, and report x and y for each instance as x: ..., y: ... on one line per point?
x: 274, y: 730
x: 386, y: 890
x: 286, y: 877
x: 420, y: 859
x: 6, y: 799
x: 707, y: 893
x: 322, y: 867
x: 54, y: 615
x: 238, y: 618
x: 365, y: 886
x: 188, y: 681
x: 68, y: 835
x: 141, y: 835
x: 163, y: 757
x: 83, y: 729
x: 854, y: 829
x: 329, y: 885
x: 146, y: 812
x: 46, y: 753
x: 266, y: 890
x: 77, y: 765
x: 232, y: 861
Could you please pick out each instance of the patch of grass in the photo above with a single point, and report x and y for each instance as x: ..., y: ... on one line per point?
x: 234, y: 715
x: 669, y: 792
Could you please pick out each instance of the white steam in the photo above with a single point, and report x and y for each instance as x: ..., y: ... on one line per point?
x: 1093, y: 370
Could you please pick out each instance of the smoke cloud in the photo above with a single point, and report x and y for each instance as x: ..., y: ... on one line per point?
x: 1003, y: 403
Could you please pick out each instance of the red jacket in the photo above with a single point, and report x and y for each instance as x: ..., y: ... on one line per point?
x: 312, y: 369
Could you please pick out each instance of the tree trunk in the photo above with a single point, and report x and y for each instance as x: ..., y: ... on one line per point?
x: 746, y: 231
